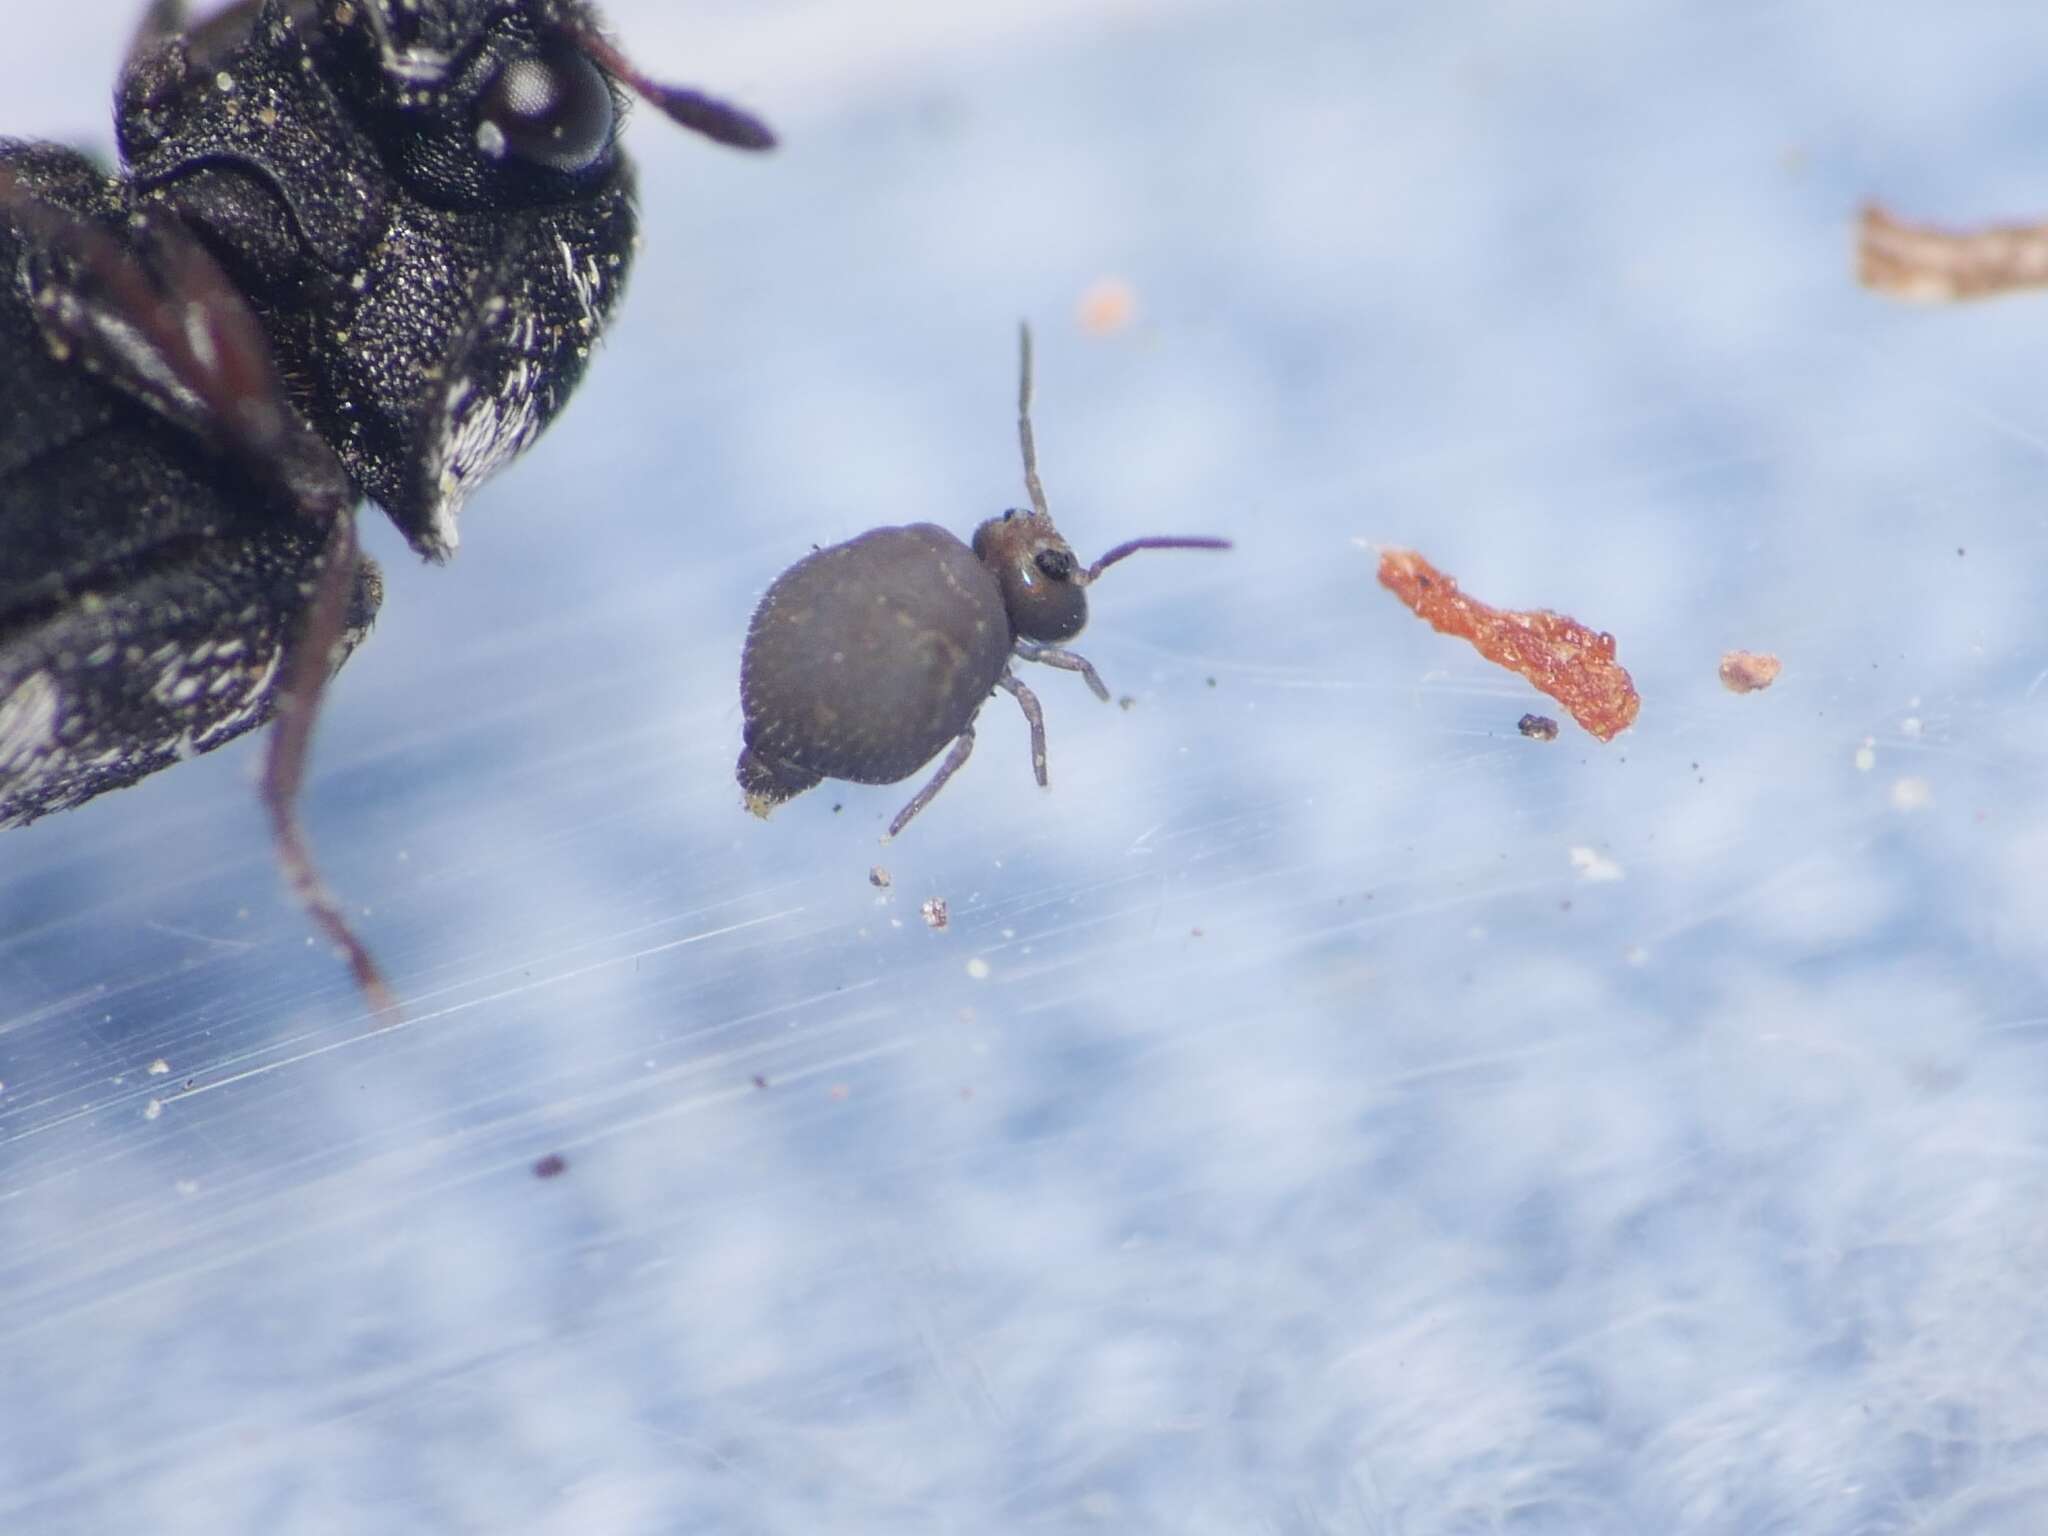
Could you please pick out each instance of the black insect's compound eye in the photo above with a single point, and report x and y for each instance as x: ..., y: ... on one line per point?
x: 552, y: 109
x: 1055, y: 564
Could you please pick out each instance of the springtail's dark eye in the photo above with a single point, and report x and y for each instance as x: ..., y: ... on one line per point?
x: 551, y: 109
x: 1055, y: 564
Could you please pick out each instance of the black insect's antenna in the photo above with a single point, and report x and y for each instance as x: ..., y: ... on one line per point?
x: 1024, y: 421
x: 1130, y: 547
x: 719, y: 121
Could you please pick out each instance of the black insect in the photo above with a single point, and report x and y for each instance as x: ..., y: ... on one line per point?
x: 865, y: 659
x: 358, y: 248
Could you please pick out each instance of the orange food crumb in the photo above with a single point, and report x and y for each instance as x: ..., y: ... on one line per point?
x: 1573, y: 664
x: 1108, y: 306
x: 1921, y: 264
x: 1749, y: 671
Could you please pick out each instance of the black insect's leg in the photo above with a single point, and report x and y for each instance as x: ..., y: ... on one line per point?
x: 1066, y: 661
x: 311, y: 661
x: 164, y: 323
x: 1034, y: 717
x: 954, y: 758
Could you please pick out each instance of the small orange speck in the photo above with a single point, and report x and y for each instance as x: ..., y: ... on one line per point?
x: 1107, y: 305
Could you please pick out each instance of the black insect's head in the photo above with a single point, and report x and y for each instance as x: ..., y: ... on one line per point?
x: 476, y: 104
x: 1044, y: 586
x: 486, y: 100
x: 427, y: 197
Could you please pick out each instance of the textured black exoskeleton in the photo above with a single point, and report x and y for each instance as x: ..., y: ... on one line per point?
x: 866, y: 659
x: 357, y: 248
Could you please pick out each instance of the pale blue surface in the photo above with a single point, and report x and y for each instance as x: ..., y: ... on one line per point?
x: 1320, y: 1151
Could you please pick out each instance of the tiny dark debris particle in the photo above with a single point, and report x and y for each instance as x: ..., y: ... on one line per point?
x: 1537, y: 727
x: 553, y: 1166
x: 879, y: 878
x: 868, y: 659
x: 760, y: 1081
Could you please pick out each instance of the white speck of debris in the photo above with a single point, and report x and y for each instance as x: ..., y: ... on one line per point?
x: 935, y: 912
x: 1866, y: 755
x: 188, y: 1186
x: 1636, y: 955
x: 152, y: 1109
x: 978, y: 968
x: 1593, y: 865
x: 1912, y: 794
x: 1911, y: 727
x: 159, y: 1067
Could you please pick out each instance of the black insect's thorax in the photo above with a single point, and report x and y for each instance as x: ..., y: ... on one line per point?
x: 431, y: 307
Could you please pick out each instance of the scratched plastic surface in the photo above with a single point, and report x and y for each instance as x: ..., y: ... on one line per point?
x: 1326, y: 1110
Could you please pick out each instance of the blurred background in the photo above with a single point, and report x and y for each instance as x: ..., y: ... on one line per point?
x: 1326, y: 1110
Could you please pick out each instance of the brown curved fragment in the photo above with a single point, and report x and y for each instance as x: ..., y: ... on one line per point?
x: 1925, y: 265
x: 1573, y: 664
